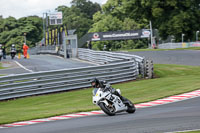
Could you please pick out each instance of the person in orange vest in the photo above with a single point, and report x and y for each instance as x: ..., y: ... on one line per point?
x: 25, y: 49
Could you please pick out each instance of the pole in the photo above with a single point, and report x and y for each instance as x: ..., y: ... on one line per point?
x: 47, y: 29
x: 182, y: 38
x: 151, y: 34
x: 25, y: 37
x: 44, y: 38
x: 197, y: 33
x: 58, y: 35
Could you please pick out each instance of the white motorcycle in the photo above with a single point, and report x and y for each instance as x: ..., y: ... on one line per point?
x: 111, y: 103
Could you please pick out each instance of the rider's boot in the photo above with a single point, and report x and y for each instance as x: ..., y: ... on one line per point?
x: 124, y: 100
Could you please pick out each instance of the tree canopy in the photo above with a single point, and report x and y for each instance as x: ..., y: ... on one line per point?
x: 79, y: 16
x: 168, y: 17
x: 12, y: 31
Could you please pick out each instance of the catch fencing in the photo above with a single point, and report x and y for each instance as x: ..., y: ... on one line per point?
x: 178, y: 45
x: 48, y: 49
x: 113, y: 67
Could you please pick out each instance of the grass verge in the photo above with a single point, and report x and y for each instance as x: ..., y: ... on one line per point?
x: 174, y: 79
x: 1, y: 66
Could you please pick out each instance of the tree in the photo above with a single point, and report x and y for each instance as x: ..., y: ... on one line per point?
x: 113, y: 18
x: 73, y: 18
x: 168, y: 16
x: 86, y: 7
x: 79, y: 15
x: 12, y: 31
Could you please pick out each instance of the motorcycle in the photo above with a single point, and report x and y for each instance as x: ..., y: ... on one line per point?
x: 13, y: 53
x: 111, y: 103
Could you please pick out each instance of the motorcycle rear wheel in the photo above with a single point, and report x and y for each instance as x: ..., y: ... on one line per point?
x: 106, y: 109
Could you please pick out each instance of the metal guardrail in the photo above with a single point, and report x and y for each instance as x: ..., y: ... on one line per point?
x: 62, y: 80
x: 104, y: 57
x: 49, y: 49
x: 114, y: 68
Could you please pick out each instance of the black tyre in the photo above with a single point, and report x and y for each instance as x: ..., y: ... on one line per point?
x: 108, y: 110
x: 131, y: 107
x: 12, y: 55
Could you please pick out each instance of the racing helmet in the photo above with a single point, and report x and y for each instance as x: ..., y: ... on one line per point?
x: 95, y: 83
x: 13, y: 45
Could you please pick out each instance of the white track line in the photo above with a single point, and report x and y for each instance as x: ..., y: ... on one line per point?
x: 23, y: 67
x: 184, y: 131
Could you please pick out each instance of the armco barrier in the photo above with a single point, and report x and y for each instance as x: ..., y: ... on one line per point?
x: 62, y: 80
x: 104, y: 57
x: 114, y: 68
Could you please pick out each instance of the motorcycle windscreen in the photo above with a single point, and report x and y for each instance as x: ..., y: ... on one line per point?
x: 94, y: 91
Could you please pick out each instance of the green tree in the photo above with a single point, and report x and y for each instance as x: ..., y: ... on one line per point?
x: 87, y: 7
x: 9, y: 23
x: 12, y: 31
x: 169, y: 17
x: 79, y: 15
x: 173, y: 17
x: 73, y: 18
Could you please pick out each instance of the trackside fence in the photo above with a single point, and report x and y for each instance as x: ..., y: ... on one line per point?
x: 178, y: 45
x: 113, y: 67
x: 105, y: 57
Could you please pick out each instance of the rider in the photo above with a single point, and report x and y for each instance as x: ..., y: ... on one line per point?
x: 4, y: 51
x: 103, y: 84
x: 13, y: 50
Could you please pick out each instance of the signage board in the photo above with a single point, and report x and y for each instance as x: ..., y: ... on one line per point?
x: 55, y: 18
x: 120, y: 35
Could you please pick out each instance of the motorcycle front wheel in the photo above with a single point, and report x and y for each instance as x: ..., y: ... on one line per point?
x: 131, y: 108
x: 108, y: 110
x: 12, y: 55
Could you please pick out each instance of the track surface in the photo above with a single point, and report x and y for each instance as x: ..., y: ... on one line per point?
x: 40, y: 63
x: 181, y: 57
x: 177, y: 116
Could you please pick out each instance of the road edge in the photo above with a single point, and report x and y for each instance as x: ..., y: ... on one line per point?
x: 167, y: 100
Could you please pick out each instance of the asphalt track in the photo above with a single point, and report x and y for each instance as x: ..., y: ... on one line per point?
x: 180, y: 57
x: 178, y: 116
x: 40, y: 63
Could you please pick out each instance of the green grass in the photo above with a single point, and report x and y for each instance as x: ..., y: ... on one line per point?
x: 174, y: 79
x: 137, y: 50
x: 1, y: 66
